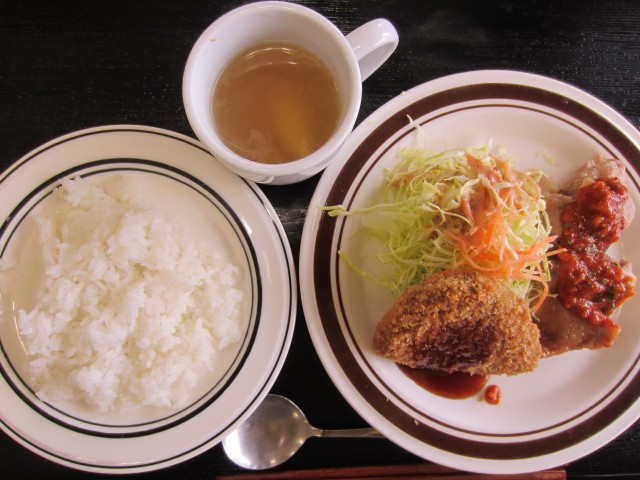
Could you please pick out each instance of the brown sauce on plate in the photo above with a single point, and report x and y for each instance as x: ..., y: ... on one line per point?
x: 457, y: 385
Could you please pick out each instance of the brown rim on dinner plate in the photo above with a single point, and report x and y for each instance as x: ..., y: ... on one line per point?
x: 601, y: 413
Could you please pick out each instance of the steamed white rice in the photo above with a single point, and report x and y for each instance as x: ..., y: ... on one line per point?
x: 131, y: 311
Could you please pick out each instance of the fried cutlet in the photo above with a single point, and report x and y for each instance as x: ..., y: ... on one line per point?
x: 460, y: 321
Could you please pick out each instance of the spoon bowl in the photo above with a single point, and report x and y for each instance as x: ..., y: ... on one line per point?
x: 275, y: 432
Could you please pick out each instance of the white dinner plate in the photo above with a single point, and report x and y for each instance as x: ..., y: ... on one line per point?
x: 177, y: 174
x: 571, y: 404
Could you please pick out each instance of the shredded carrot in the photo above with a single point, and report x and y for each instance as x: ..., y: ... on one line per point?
x: 486, y: 246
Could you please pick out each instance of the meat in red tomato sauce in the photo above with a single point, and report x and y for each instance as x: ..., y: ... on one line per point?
x: 590, y: 283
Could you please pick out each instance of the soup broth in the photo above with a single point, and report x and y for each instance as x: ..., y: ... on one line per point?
x: 276, y: 103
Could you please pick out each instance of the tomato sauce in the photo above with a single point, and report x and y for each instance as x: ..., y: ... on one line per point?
x: 492, y: 395
x: 590, y: 283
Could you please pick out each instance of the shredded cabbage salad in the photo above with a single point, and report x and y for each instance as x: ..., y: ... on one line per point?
x: 460, y: 209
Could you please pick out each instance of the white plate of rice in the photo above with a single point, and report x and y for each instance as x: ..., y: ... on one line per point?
x: 148, y: 299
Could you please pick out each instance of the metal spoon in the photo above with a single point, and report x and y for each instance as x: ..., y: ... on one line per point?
x: 275, y: 432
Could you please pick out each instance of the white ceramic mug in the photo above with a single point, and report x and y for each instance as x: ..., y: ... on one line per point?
x: 351, y: 58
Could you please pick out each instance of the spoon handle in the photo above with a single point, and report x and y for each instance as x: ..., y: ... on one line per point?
x: 351, y: 433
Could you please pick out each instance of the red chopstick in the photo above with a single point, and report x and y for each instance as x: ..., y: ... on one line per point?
x: 418, y: 471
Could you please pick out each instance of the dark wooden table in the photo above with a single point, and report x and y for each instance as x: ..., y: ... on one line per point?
x: 68, y: 65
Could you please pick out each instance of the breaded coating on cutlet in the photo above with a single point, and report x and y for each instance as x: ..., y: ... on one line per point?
x: 460, y: 321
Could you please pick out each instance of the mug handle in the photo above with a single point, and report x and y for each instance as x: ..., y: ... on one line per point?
x: 373, y: 43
